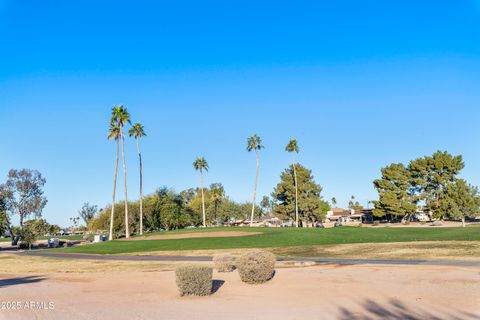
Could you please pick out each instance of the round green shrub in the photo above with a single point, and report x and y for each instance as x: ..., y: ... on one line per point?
x: 256, y: 266
x: 194, y: 280
x: 223, y: 262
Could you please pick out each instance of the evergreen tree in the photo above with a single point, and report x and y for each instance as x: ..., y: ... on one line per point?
x: 431, y: 177
x: 461, y: 200
x: 311, y: 206
x: 394, y: 192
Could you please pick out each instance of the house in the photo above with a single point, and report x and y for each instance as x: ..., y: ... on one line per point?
x: 419, y: 215
x: 349, y: 215
x: 273, y: 222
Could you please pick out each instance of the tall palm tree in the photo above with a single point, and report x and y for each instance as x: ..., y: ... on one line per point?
x: 254, y: 143
x: 292, y: 147
x: 121, y: 117
x: 138, y: 131
x: 113, y: 133
x: 334, y: 201
x: 201, y: 164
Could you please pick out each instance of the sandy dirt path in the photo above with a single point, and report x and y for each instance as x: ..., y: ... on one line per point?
x: 319, y: 292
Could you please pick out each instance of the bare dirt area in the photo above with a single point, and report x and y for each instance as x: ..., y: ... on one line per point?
x: 216, y: 234
x: 318, y: 292
x: 430, y: 250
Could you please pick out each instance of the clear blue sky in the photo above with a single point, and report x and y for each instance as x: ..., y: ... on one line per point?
x: 359, y: 84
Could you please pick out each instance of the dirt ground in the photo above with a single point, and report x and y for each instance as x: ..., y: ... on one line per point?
x: 215, y: 234
x: 318, y: 292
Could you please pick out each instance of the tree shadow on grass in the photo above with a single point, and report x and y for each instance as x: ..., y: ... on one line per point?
x: 216, y: 285
x: 396, y: 310
x: 20, y: 280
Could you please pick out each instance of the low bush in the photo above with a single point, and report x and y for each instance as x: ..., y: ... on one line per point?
x: 437, y: 223
x: 376, y: 223
x: 223, y: 262
x: 194, y: 280
x: 256, y: 266
x: 23, y: 245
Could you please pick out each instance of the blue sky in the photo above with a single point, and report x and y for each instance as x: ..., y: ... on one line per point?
x: 360, y: 85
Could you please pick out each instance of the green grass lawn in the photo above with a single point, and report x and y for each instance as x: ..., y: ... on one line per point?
x: 281, y: 237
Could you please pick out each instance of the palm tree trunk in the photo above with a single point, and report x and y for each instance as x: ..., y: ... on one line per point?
x: 296, y: 189
x: 127, y: 233
x: 141, y: 187
x: 110, y: 234
x: 254, y: 189
x: 463, y: 221
x: 203, y: 200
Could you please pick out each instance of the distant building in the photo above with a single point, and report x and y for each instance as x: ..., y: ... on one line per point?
x: 349, y: 215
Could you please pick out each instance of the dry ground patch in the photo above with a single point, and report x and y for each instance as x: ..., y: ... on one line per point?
x: 319, y: 292
x: 440, y: 250
x: 10, y: 263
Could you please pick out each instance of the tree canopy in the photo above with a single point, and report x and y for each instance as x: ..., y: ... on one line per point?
x: 22, y: 196
x: 394, y: 192
x: 430, y: 183
x: 87, y: 212
x: 254, y: 142
x: 311, y: 206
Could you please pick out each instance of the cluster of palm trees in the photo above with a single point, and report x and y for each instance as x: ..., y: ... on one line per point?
x: 119, y: 119
x: 254, y: 143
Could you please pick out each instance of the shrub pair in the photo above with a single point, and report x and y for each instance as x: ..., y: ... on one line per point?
x: 256, y: 266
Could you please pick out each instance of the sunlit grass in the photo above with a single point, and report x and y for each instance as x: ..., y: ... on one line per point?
x: 281, y: 237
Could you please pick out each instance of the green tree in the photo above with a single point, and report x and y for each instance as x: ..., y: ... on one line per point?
x: 200, y: 164
x: 40, y: 226
x: 114, y: 133
x: 121, y: 117
x: 54, y: 229
x: 30, y: 233
x: 254, y: 143
x: 311, y: 207
x: 431, y: 177
x: 394, y: 192
x: 461, y: 200
x: 87, y: 212
x: 217, y: 194
x: 164, y: 209
x: 3, y: 216
x: 293, y: 148
x: 266, y: 204
x: 170, y: 211
x: 138, y: 131
x: 22, y: 196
